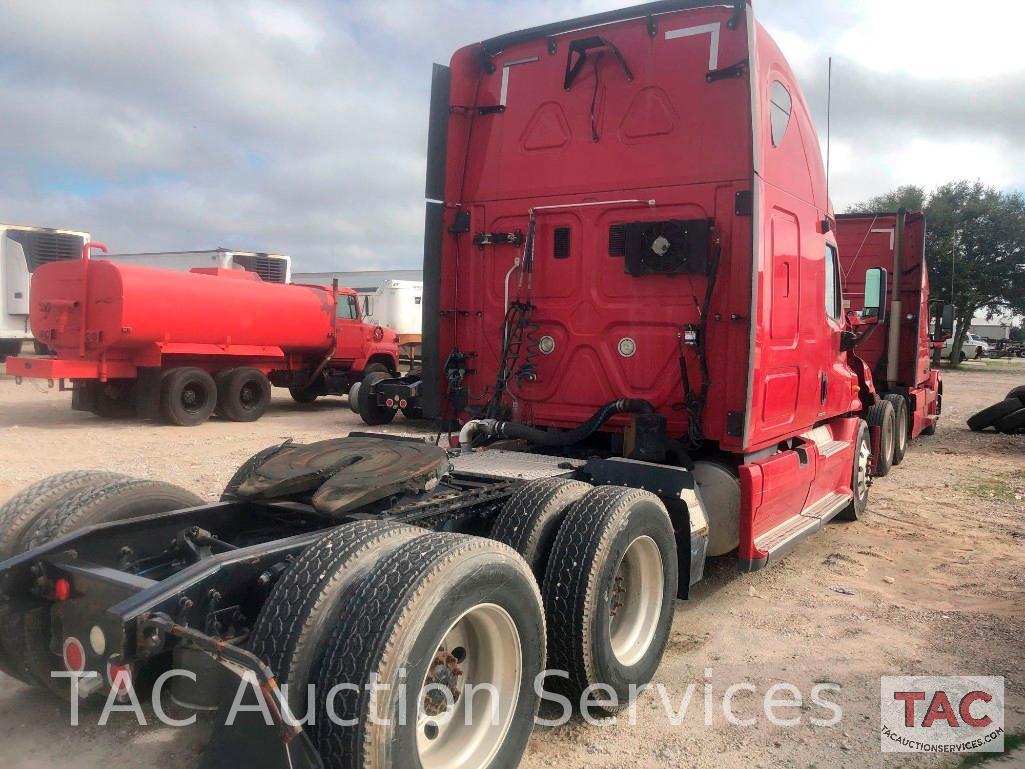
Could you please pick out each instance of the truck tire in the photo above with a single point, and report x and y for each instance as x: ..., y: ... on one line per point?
x: 988, y: 417
x: 187, y: 396
x: 377, y: 368
x: 113, y: 500
x: 608, y: 593
x: 902, y: 426
x: 438, y: 613
x: 19, y: 513
x: 247, y: 468
x: 1013, y: 423
x: 302, y: 395
x: 114, y: 399
x: 297, y: 619
x: 930, y: 429
x: 1017, y: 392
x: 368, y: 409
x: 880, y: 414
x: 860, y: 475
x: 412, y: 412
x: 9, y: 348
x: 243, y: 394
x: 531, y: 518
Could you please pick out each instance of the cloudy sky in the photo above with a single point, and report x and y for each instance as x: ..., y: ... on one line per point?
x: 300, y: 127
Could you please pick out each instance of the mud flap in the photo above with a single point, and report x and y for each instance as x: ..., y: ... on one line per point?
x: 263, y: 734
x: 251, y: 741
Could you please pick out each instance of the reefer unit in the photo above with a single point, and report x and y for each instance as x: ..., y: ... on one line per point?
x: 22, y: 251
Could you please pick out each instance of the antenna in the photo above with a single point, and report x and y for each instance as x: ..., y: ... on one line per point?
x: 829, y: 114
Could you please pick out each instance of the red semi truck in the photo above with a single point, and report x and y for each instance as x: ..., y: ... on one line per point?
x: 180, y: 345
x: 899, y: 353
x: 633, y: 317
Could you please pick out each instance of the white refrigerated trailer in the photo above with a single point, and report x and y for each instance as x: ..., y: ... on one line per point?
x: 22, y: 251
x: 273, y: 268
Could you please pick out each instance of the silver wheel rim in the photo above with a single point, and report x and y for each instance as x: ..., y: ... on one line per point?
x: 636, y: 601
x: 469, y: 695
x: 864, y: 454
x: 902, y: 433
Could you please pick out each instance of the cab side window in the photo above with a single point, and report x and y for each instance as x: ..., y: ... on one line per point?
x: 833, y: 300
x: 348, y: 308
x: 780, y: 107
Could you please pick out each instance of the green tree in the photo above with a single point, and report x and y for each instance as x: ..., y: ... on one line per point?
x: 975, y: 247
x: 908, y: 196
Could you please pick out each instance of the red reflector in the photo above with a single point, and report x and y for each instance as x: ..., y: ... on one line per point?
x: 62, y: 589
x: 119, y: 677
x: 74, y: 655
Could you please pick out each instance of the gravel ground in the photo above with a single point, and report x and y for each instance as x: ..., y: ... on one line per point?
x: 933, y: 582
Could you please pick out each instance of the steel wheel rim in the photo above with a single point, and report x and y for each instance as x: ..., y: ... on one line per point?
x: 193, y: 398
x: 249, y: 396
x: 637, y: 597
x: 902, y: 433
x: 864, y: 454
x: 484, y: 646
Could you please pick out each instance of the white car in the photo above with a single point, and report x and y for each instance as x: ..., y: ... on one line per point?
x: 972, y: 348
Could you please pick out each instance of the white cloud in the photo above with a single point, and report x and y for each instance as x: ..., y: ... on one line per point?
x: 301, y: 126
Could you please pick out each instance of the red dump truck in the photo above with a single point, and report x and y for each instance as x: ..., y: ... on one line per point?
x: 181, y: 345
x: 633, y: 321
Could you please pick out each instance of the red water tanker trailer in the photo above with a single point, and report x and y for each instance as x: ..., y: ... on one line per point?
x: 181, y: 345
x: 633, y: 319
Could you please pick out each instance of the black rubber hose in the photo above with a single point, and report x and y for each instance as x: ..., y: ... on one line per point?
x: 556, y: 438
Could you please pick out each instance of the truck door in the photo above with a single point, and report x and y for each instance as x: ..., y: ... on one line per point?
x: 835, y: 377
x: 349, y: 329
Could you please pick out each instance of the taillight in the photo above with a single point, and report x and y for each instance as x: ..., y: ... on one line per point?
x: 119, y: 677
x: 62, y: 589
x: 74, y: 655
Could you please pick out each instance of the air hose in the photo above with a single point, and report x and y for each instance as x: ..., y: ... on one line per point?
x: 492, y: 428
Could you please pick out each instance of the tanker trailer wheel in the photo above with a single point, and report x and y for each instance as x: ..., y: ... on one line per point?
x: 18, y: 514
x: 531, y: 518
x: 860, y: 475
x: 187, y: 396
x: 902, y: 426
x: 609, y: 592
x: 243, y: 394
x: 369, y: 410
x: 298, y: 617
x: 436, y: 616
x: 115, y: 499
x: 880, y: 414
x: 114, y: 399
x: 302, y: 395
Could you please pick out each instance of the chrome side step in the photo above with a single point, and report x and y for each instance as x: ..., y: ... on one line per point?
x: 781, y: 540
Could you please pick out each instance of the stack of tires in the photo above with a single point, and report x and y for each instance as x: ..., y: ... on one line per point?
x: 1007, y: 416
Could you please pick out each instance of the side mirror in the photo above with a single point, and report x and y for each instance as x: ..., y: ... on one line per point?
x: 947, y: 319
x: 875, y: 295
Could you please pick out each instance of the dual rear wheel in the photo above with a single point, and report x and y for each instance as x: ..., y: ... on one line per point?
x: 189, y: 395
